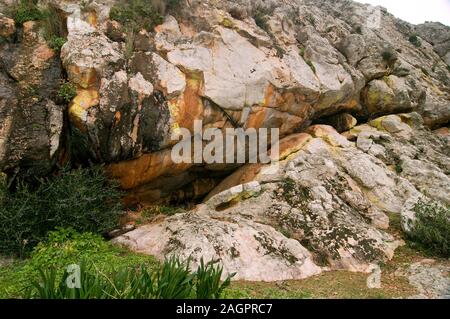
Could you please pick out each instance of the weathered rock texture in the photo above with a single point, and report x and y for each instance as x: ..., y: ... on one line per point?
x: 239, y: 63
x: 31, y: 124
x: 269, y: 64
x: 438, y: 35
x: 325, y: 206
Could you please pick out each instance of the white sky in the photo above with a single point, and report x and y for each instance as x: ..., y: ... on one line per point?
x: 416, y: 11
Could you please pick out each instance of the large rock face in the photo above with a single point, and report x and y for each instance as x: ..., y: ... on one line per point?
x: 438, y: 35
x: 229, y: 64
x: 31, y: 123
x: 268, y: 64
x: 323, y: 207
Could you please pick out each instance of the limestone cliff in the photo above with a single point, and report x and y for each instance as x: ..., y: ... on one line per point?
x: 287, y: 64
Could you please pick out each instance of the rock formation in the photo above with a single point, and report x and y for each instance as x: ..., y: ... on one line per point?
x: 313, y: 69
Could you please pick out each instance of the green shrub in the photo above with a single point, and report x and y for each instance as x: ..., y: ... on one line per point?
x: 66, y: 247
x: 67, y: 91
x: 431, y: 229
x: 414, y: 39
x: 135, y: 15
x: 27, y: 11
x: 56, y: 43
x: 389, y: 56
x: 261, y: 15
x: 82, y: 199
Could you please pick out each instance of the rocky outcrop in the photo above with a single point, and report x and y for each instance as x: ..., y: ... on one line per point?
x: 229, y: 64
x: 429, y: 278
x: 296, y: 65
x: 438, y: 35
x: 329, y: 195
x: 31, y: 124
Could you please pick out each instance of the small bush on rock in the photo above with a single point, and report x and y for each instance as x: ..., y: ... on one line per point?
x: 414, y: 39
x: 82, y: 199
x: 431, y: 229
x: 67, y: 91
x: 135, y: 15
x: 389, y: 56
x: 27, y: 11
x: 261, y: 16
x: 56, y: 43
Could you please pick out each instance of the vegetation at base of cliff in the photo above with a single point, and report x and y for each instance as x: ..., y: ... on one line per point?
x: 107, y: 272
x: 83, y: 199
x: 65, y: 247
x: 67, y: 91
x: 430, y: 231
x: 62, y: 248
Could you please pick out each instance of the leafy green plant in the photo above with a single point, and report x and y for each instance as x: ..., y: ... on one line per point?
x: 398, y: 168
x: 172, y: 280
x: 414, y: 39
x: 208, y: 281
x: 67, y: 90
x: 431, y: 229
x: 83, y: 199
x: 27, y: 11
x: 56, y: 43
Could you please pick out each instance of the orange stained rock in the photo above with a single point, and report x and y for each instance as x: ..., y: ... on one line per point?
x: 8, y: 27
x: 275, y: 99
x: 187, y: 31
x: 117, y: 117
x: 189, y: 107
x: 243, y: 175
x: 248, y: 173
x: 257, y: 117
x: 292, y: 144
x: 84, y: 77
x: 322, y: 130
x: 79, y: 105
x: 145, y: 169
x: 28, y: 26
x: 92, y: 18
x: 443, y: 131
x: 352, y: 104
x: 42, y: 53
